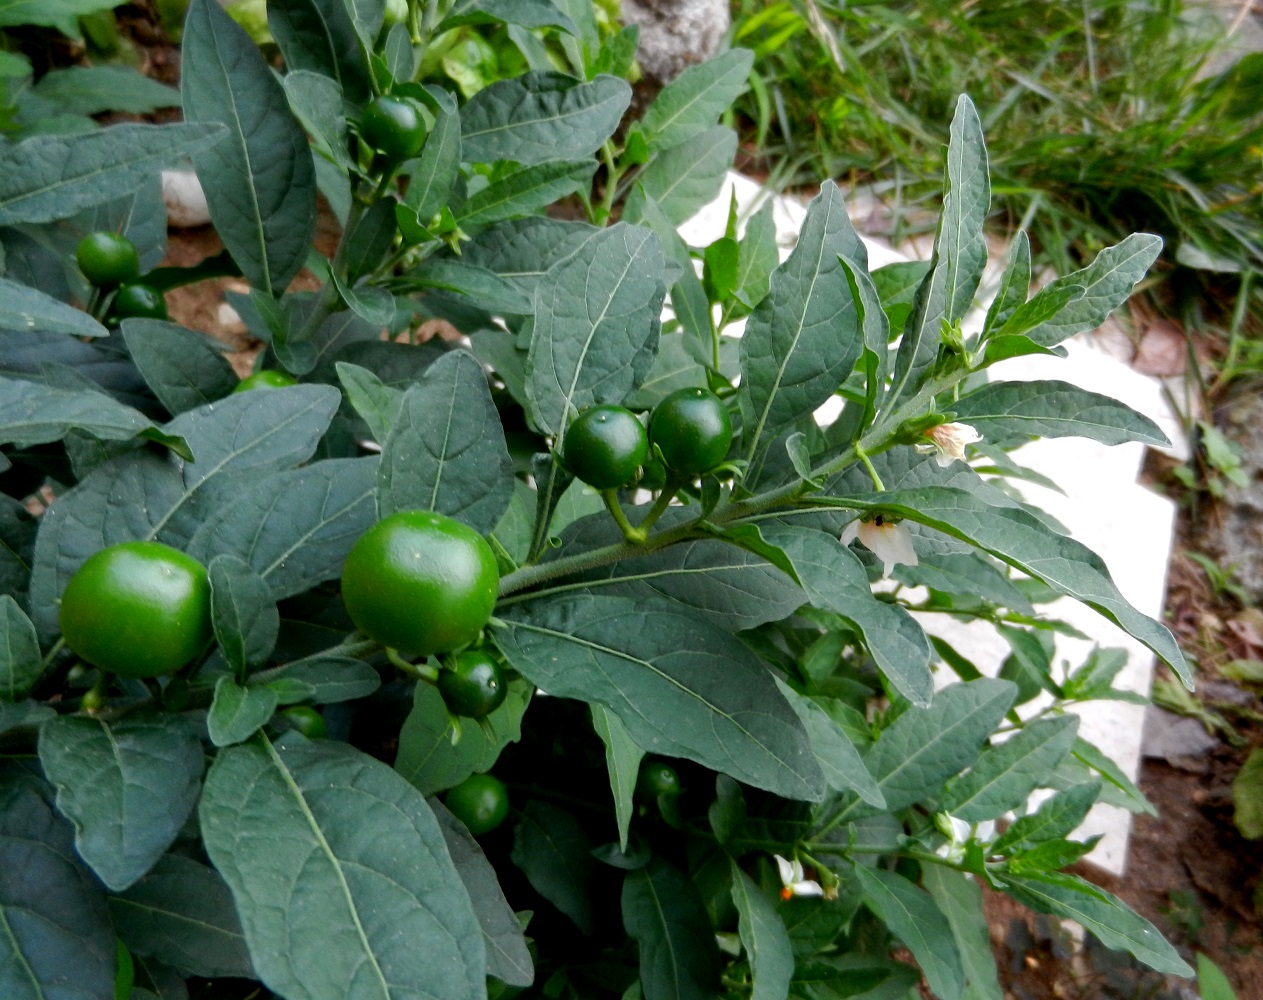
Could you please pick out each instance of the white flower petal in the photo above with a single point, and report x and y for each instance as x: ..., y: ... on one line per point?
x: 806, y: 889
x: 891, y: 543
x: 786, y: 870
x: 850, y: 531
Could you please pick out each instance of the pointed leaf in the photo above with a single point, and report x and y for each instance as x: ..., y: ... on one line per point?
x: 1005, y: 775
x: 26, y: 308
x: 597, y: 318
x: 184, y: 368
x: 128, y: 787
x: 686, y: 177
x: 1014, y: 284
x: 695, y: 99
x: 20, y: 661
x: 524, y: 192
x: 243, y: 612
x: 714, y: 701
x: 662, y: 911
x: 284, y: 827
x: 237, y: 713
x: 764, y: 938
x: 555, y: 855
x: 436, y: 169
x: 1056, y: 817
x: 318, y: 36
x: 960, y: 900
x: 260, y: 183
x: 1054, y: 409
x: 622, y: 758
x: 841, y: 763
x: 326, y: 679
x: 33, y: 413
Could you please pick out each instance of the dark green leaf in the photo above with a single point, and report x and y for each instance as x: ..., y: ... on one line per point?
x: 33, y: 413
x: 127, y: 786
x: 688, y: 176
x: 527, y: 13
x: 181, y: 914
x: 326, y: 679
x: 54, y: 176
x: 376, y: 403
x: 1055, y: 818
x: 555, y: 855
x: 20, y: 661
x: 834, y: 580
x: 508, y: 958
x: 26, y: 308
x: 25, y: 716
x: 1054, y: 409
x: 1107, y: 282
x: 1132, y: 797
x: 260, y: 183
x: 764, y: 938
x: 1025, y: 543
x: 427, y: 757
x: 897, y: 286
x: 662, y: 911
x: 1106, y: 916
x: 431, y: 179
x: 960, y: 900
x: 90, y: 90
x: 804, y: 338
x: 446, y: 450
x: 911, y: 914
x: 243, y: 612
x: 295, y: 528
x: 541, y: 116
x: 317, y: 103
x: 484, y: 289
x: 622, y: 759
x: 841, y: 763
x: 58, y: 941
x: 318, y: 35
x: 597, y: 318
x: 237, y: 713
x: 960, y: 252
x: 1005, y: 775
x: 714, y: 701
x: 970, y: 576
x: 757, y: 256
x: 926, y: 746
x: 17, y: 544
x: 1050, y: 301
x: 284, y: 826
x: 1014, y: 284
x: 371, y: 240
x: 524, y: 192
x: 692, y: 102
x: 522, y: 250
x: 184, y: 368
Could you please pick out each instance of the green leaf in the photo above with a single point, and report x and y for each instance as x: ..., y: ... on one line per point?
x: 237, y: 713
x: 33, y: 413
x: 243, y: 613
x: 326, y: 679
x: 317, y: 103
x: 436, y: 170
x: 1029, y: 666
x: 662, y: 911
x: 377, y: 403
x: 522, y: 250
x: 686, y: 177
x: 20, y: 661
x: 527, y: 13
x: 90, y: 90
x: 926, y: 746
x: 1005, y: 775
x: 184, y: 368
x: 764, y: 938
x: 804, y: 338
x: 1107, y: 282
x: 58, y: 940
x: 26, y: 308
x: 1027, y: 544
x: 1014, y: 284
x: 127, y: 786
x: 295, y: 528
x: 319, y: 36
x: 60, y: 14
x: 427, y: 757
x: 542, y: 116
x: 714, y: 701
x: 622, y: 758
x: 757, y: 256
x: 508, y: 958
x: 446, y: 450
x: 688, y: 105
x: 370, y: 241
x: 1247, y: 797
x: 960, y: 251
x: 1212, y: 984
x: 52, y: 177
x: 597, y: 318
x: 1054, y: 409
x: 555, y: 855
x: 260, y: 184
x: 1106, y: 916
x: 23, y: 715
x: 367, y: 17
x: 912, y: 916
x: 960, y: 900
x: 897, y: 286
x: 834, y: 580
x: 481, y: 288
x: 284, y: 826
x: 524, y: 192
x: 841, y: 763
x: 181, y: 914
x: 969, y: 575
x: 1047, y: 303
x: 1055, y: 818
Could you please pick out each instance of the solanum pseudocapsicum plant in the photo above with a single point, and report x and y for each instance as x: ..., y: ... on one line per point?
x: 180, y: 828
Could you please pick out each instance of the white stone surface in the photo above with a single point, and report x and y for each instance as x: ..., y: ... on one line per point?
x: 1102, y: 506
x: 185, y: 200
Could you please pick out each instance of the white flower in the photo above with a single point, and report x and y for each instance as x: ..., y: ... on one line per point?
x: 949, y: 441
x: 889, y: 541
x: 793, y: 881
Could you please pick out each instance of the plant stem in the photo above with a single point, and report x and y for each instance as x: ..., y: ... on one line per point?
x: 636, y: 536
x: 872, y: 472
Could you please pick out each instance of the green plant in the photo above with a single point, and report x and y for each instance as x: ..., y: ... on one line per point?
x: 420, y: 582
x: 137, y: 609
x: 268, y: 378
x: 657, y: 778
x: 835, y: 804
x: 107, y: 259
x: 481, y: 802
x: 691, y: 431
x: 473, y: 684
x: 605, y: 447
x: 393, y: 127
x: 306, y: 720
x: 139, y: 301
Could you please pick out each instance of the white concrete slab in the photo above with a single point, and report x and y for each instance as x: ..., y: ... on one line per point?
x: 1103, y: 506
